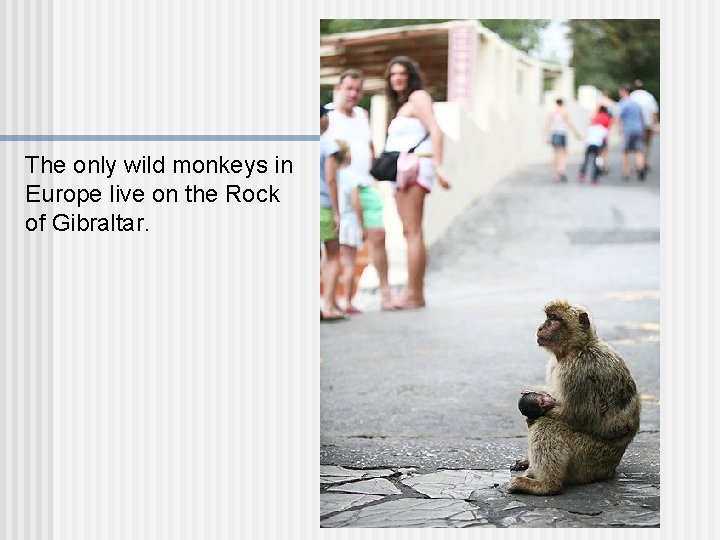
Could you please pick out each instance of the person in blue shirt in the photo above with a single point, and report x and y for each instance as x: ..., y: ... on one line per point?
x: 630, y: 114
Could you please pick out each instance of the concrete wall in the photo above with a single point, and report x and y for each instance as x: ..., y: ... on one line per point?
x: 476, y: 159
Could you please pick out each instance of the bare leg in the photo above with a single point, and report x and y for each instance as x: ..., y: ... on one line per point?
x: 410, y: 203
x: 562, y: 162
x: 639, y: 161
x: 348, y: 254
x: 556, y: 163
x: 647, y: 139
x: 331, y: 269
x: 626, y: 165
x: 378, y: 253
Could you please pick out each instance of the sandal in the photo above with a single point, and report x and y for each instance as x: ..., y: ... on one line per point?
x: 332, y: 316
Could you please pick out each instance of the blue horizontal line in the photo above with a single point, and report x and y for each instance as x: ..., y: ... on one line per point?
x: 159, y: 138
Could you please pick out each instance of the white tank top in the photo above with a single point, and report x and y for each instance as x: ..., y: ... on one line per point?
x: 354, y: 130
x: 405, y: 132
x: 558, y: 124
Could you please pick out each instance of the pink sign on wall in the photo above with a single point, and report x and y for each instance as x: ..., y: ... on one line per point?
x: 462, y: 43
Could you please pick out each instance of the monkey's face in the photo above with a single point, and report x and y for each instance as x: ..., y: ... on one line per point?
x: 550, y: 331
x: 566, y: 328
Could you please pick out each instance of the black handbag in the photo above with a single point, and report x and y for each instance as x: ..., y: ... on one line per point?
x: 385, y: 167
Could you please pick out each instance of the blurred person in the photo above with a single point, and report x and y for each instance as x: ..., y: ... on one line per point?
x: 556, y: 130
x: 603, y: 118
x: 352, y: 231
x: 595, y: 139
x: 350, y: 123
x: 606, y: 101
x: 650, y: 114
x: 631, y: 119
x: 412, y: 118
x: 329, y: 223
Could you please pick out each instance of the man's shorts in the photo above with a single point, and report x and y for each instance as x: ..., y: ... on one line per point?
x: 372, y: 206
x: 327, y: 224
x: 558, y: 140
x: 634, y: 142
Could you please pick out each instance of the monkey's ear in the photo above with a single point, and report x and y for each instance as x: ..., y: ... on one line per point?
x: 584, y: 320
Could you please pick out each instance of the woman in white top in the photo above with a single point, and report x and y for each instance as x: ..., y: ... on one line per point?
x: 412, y: 118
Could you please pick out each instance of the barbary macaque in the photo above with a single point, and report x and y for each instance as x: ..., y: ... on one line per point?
x: 596, y: 410
x: 533, y: 405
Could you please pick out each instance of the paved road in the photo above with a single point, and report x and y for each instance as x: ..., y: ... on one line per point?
x: 423, y: 392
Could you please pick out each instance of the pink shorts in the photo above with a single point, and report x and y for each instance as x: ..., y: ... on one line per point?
x: 425, y: 177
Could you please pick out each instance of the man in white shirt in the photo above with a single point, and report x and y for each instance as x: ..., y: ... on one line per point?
x: 650, y: 113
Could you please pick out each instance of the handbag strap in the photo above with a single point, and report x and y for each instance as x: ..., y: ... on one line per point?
x: 418, y: 144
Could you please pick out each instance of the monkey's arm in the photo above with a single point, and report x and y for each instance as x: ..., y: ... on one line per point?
x: 581, y: 418
x: 614, y: 434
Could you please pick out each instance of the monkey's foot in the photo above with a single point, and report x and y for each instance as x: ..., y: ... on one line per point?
x: 523, y: 484
x: 520, y: 465
x: 513, y: 486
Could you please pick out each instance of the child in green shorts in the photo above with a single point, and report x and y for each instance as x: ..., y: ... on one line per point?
x: 329, y: 223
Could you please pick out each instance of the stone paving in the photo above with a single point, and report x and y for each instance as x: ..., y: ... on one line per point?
x: 402, y: 497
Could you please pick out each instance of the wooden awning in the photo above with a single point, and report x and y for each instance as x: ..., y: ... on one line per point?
x: 371, y: 50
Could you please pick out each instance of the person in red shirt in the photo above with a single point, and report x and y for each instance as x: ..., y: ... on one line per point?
x: 603, y: 118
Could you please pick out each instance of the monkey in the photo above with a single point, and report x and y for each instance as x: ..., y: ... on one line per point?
x: 586, y: 375
x: 596, y: 413
x: 533, y: 405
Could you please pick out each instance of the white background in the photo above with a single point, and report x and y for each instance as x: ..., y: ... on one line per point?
x: 164, y: 384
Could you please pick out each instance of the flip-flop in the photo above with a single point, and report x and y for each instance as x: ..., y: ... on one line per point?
x: 332, y: 318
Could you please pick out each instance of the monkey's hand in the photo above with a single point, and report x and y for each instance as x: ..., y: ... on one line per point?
x: 523, y: 392
x: 520, y: 464
x: 603, y: 408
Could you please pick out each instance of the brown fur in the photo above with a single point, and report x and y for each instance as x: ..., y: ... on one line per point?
x: 597, y: 411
